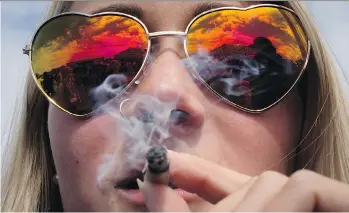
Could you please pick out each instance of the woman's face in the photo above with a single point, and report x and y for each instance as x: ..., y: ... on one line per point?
x: 244, y: 142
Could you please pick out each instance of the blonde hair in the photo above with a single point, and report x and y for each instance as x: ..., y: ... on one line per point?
x: 27, y: 177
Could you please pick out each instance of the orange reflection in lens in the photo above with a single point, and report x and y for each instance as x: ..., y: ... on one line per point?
x: 78, y: 38
x: 241, y: 28
x: 73, y: 54
x: 251, y: 58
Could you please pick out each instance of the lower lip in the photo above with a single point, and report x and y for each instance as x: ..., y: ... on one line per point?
x: 136, y: 197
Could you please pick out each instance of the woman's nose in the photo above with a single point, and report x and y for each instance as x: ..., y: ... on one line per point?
x: 168, y: 80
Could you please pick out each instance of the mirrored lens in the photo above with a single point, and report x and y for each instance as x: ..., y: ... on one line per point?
x: 73, y: 54
x: 251, y: 58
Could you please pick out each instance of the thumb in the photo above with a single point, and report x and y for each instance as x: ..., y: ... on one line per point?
x: 161, y: 198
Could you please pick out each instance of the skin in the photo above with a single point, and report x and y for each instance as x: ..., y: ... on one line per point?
x: 226, y: 146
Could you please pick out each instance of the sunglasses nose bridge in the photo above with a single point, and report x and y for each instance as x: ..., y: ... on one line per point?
x: 166, y: 33
x: 167, y: 41
x: 166, y: 72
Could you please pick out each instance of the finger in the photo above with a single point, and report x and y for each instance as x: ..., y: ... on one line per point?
x: 264, y: 189
x: 229, y: 203
x: 161, y: 198
x: 309, y: 191
x: 208, y: 180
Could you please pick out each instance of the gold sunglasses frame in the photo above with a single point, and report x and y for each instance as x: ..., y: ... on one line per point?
x: 27, y: 51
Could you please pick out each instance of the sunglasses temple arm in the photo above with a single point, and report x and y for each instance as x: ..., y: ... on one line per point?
x: 26, y: 49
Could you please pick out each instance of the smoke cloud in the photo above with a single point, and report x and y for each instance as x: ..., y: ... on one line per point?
x: 147, y: 121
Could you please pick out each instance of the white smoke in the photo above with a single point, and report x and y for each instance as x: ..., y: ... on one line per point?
x: 146, y: 125
x: 149, y: 121
x: 207, y: 67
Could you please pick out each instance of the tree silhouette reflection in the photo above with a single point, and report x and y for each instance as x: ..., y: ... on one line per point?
x: 70, y: 85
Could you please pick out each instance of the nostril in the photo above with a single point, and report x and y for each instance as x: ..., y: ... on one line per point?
x: 178, y: 117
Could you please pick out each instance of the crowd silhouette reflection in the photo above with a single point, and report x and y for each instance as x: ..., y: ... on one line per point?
x: 256, y: 77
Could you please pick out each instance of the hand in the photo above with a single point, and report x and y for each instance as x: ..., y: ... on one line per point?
x: 232, y: 191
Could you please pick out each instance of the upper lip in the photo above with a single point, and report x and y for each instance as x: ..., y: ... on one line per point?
x: 128, y: 182
x: 131, y: 183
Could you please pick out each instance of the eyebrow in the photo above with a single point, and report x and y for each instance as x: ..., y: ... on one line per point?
x: 130, y: 9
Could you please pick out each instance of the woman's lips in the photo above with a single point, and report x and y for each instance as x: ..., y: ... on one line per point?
x: 135, y: 196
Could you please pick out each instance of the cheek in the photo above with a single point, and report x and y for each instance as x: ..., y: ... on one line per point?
x: 73, y: 140
x: 256, y: 142
x: 78, y: 146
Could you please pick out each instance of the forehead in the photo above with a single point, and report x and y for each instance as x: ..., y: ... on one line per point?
x: 157, y: 14
x: 152, y: 6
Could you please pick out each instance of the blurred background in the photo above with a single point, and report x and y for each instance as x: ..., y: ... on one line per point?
x: 19, y: 20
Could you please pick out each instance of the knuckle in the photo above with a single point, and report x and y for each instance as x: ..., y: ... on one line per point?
x: 303, y: 180
x: 270, y: 175
x: 302, y: 176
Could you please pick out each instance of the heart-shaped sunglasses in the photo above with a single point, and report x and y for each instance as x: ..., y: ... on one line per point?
x: 256, y: 55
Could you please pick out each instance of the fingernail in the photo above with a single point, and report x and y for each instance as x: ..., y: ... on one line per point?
x: 140, y: 184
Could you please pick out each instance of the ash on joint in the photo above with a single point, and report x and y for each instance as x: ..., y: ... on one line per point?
x: 157, y: 159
